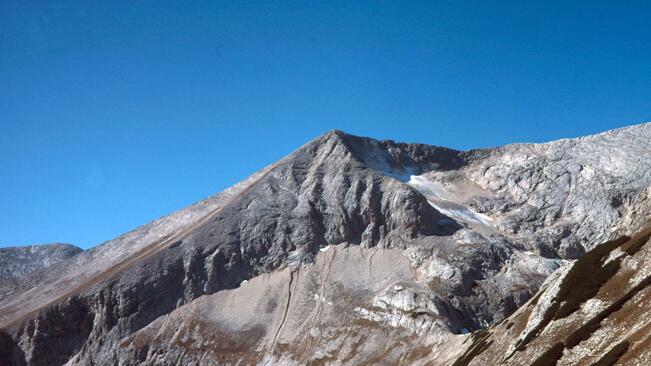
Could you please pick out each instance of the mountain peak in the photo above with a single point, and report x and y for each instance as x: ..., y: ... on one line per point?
x: 345, y: 241
x: 388, y: 157
x: 20, y: 261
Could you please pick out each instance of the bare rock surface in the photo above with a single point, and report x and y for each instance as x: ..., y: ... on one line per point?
x: 18, y: 262
x: 342, y: 308
x: 595, y: 312
x: 348, y: 251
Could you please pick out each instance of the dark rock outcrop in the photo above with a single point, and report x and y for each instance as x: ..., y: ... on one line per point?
x: 10, y: 352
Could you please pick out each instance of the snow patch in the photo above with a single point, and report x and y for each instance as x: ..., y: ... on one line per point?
x: 379, y: 160
x: 437, y: 198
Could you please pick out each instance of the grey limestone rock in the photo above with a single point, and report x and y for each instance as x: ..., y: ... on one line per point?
x: 18, y: 262
x: 349, y: 250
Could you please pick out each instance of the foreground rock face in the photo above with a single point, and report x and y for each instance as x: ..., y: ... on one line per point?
x: 594, y: 312
x: 18, y: 262
x: 354, y: 251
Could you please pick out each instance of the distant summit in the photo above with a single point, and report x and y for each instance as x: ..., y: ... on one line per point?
x: 17, y: 262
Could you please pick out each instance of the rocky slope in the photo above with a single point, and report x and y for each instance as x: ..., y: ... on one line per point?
x: 350, y: 250
x: 17, y: 262
x: 594, y: 312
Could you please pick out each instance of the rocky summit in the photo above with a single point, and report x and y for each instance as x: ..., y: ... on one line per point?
x: 354, y: 251
x: 17, y: 262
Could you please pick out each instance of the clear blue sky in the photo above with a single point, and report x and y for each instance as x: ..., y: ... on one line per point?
x: 114, y: 113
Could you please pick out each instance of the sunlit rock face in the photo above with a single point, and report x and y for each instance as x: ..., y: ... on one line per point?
x: 18, y: 262
x: 594, y: 312
x: 348, y: 251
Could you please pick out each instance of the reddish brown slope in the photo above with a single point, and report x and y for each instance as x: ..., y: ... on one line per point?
x: 594, y: 312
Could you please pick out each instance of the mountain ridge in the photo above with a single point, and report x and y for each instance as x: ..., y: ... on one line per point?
x: 591, y: 312
x: 473, y: 234
x: 20, y: 261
